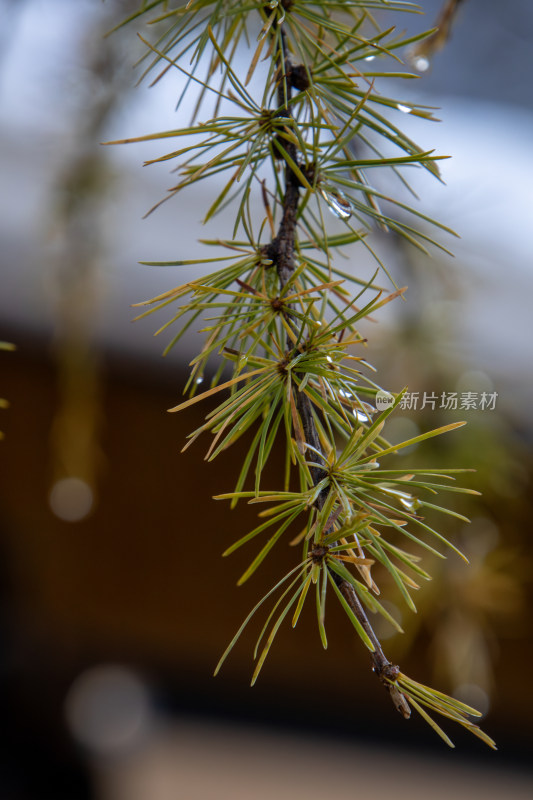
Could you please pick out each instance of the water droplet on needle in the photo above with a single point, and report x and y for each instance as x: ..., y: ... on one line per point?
x: 421, y: 63
x: 410, y: 503
x: 338, y: 203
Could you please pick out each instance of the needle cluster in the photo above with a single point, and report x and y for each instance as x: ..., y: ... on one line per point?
x: 282, y: 317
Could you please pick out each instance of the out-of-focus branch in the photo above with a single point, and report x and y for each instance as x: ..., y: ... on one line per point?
x: 422, y: 53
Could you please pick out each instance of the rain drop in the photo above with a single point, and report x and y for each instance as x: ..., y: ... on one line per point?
x: 410, y: 503
x: 421, y: 63
x: 370, y: 58
x: 404, y: 109
x: 338, y: 203
x: 199, y: 380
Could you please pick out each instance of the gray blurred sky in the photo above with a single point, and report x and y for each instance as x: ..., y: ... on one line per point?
x: 481, y: 81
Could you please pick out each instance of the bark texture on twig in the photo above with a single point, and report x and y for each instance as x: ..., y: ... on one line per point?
x: 281, y: 251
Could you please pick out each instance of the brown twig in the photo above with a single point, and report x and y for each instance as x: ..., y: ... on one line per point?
x: 281, y: 251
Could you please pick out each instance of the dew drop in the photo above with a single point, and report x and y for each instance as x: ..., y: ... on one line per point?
x: 404, y: 109
x: 406, y: 499
x: 370, y: 58
x: 360, y: 417
x: 421, y: 63
x: 410, y: 503
x: 329, y: 358
x: 338, y: 203
x: 199, y: 380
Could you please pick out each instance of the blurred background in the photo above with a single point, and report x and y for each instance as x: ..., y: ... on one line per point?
x: 114, y: 602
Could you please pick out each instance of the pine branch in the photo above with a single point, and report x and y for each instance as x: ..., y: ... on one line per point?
x: 281, y: 251
x: 293, y: 375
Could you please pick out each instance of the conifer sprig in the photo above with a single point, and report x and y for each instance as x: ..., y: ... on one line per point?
x: 280, y: 316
